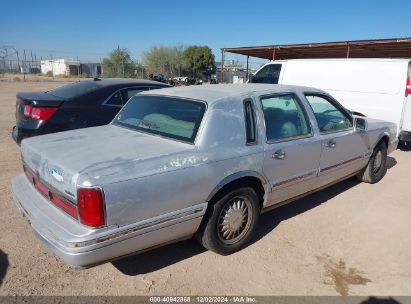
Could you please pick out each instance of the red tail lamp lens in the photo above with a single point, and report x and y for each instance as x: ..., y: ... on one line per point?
x: 91, y: 206
x: 42, y: 113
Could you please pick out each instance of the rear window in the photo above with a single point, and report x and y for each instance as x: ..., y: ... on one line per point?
x: 171, y: 117
x: 73, y: 90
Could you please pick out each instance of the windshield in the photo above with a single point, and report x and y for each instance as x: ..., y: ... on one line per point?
x: 73, y: 90
x: 171, y: 117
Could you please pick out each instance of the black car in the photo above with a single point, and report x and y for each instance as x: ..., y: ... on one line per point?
x: 76, y: 105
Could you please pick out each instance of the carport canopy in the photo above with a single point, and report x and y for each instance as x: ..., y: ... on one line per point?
x: 382, y: 48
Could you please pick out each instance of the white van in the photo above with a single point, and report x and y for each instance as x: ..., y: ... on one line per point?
x: 377, y: 88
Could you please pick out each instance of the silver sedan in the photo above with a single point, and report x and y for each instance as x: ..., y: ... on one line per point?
x: 200, y: 161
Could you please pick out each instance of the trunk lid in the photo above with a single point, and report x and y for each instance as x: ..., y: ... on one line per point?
x: 94, y: 156
x: 38, y: 99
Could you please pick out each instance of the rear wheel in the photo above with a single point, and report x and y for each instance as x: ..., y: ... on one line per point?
x: 231, y: 222
x: 377, y: 165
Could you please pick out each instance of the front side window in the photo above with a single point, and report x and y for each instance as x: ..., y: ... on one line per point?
x: 268, y: 74
x: 330, y: 118
x: 171, y: 117
x: 284, y: 117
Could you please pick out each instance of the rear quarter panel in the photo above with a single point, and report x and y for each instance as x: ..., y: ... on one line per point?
x: 189, y: 179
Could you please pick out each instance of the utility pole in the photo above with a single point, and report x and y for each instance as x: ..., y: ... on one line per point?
x: 222, y: 65
x: 24, y: 66
x: 78, y: 69
x: 52, y: 66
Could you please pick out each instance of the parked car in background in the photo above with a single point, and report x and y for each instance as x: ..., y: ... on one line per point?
x: 76, y: 105
x: 378, y: 88
x: 200, y: 160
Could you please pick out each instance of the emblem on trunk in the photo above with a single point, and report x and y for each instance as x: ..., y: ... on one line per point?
x: 57, y: 173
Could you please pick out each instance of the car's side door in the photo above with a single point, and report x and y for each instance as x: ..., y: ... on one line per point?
x: 291, y: 150
x: 344, y: 150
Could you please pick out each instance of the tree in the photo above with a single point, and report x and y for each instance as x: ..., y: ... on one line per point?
x: 165, y: 60
x: 118, y: 64
x: 199, y: 61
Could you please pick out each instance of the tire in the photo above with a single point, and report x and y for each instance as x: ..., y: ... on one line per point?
x: 377, y: 165
x: 231, y: 221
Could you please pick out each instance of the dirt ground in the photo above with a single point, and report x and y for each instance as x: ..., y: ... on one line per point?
x: 351, y: 239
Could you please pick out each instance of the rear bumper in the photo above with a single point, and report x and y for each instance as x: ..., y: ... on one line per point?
x: 81, y: 246
x: 19, y: 134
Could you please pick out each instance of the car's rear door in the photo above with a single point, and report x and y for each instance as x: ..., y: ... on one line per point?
x: 344, y: 150
x: 291, y: 151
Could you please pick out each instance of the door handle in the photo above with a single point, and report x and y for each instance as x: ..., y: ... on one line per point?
x: 331, y: 144
x: 279, y: 154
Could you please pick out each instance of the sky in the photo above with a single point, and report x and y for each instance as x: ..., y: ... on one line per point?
x: 90, y: 29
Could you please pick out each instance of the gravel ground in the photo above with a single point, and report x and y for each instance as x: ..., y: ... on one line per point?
x: 350, y: 239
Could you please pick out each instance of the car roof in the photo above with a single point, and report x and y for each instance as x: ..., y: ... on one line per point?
x: 213, y: 92
x: 124, y: 81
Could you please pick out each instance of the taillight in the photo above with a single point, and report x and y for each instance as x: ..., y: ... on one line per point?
x: 56, y: 199
x: 38, y: 113
x: 42, y: 189
x: 408, y: 87
x: 91, y: 206
x: 29, y: 176
x: 27, y: 110
x: 63, y: 204
x: 42, y: 113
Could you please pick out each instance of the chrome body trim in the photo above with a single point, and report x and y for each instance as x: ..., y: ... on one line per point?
x: 293, y: 180
x: 164, y: 219
x: 346, y: 162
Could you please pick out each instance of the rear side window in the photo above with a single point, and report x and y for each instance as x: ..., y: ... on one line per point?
x: 115, y: 100
x: 120, y: 97
x: 73, y: 90
x: 284, y: 117
x: 268, y: 74
x: 330, y: 118
x: 250, y: 122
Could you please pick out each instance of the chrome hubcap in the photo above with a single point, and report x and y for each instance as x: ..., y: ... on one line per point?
x: 234, y: 220
x: 377, y: 162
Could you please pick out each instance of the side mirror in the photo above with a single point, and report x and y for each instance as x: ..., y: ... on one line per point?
x: 250, y: 78
x: 360, y: 124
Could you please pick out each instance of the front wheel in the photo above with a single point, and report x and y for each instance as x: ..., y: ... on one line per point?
x: 232, y: 221
x: 377, y: 165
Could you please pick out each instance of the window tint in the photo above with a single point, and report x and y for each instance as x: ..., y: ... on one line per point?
x: 76, y: 89
x: 329, y: 117
x: 128, y: 93
x: 250, y: 122
x: 115, y: 100
x: 122, y: 96
x: 268, y: 74
x: 170, y: 117
x: 284, y: 117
